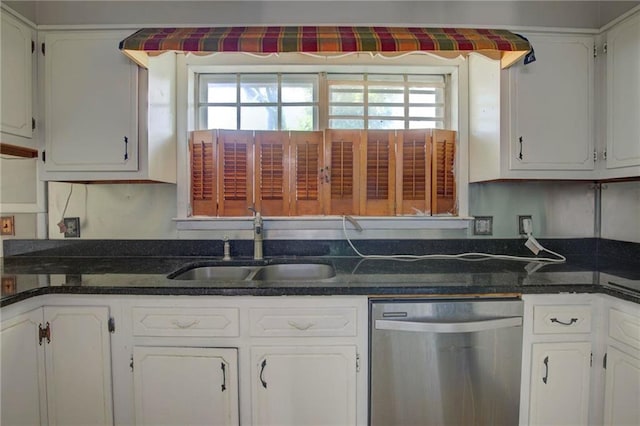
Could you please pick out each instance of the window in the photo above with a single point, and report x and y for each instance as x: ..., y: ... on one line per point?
x: 292, y: 101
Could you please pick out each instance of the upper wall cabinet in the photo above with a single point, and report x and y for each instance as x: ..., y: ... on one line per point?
x: 623, y: 98
x: 104, y: 118
x: 534, y: 121
x: 17, y: 77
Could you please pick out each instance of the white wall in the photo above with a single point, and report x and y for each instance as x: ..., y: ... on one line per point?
x: 574, y: 14
x: 621, y: 211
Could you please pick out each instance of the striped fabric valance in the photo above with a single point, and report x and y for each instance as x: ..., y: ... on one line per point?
x: 448, y: 42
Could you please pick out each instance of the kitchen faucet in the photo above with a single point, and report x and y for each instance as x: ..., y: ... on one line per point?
x: 258, y: 229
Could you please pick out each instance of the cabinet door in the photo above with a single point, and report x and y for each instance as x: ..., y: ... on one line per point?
x: 185, y: 386
x: 622, y: 388
x: 16, y: 76
x: 304, y: 385
x: 78, y: 366
x: 23, y: 378
x: 623, y: 94
x: 559, y: 383
x: 551, y: 106
x: 91, y: 103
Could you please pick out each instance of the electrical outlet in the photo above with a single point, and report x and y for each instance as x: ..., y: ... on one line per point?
x: 7, y: 224
x: 525, y: 225
x: 483, y: 225
x: 71, y: 227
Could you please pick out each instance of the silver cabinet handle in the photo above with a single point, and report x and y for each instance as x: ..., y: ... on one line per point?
x: 449, y: 327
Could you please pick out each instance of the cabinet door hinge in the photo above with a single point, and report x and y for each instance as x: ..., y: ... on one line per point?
x: 604, y: 48
x: 111, y: 324
x: 131, y: 363
x: 595, y: 51
x: 44, y: 156
x: 591, y: 360
x: 42, y: 49
x: 604, y: 154
x: 595, y: 156
x: 604, y: 362
x: 357, y: 362
x: 33, y: 123
x: 44, y: 333
x: 33, y: 46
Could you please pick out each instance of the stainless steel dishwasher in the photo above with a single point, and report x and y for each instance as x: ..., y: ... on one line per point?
x: 454, y: 362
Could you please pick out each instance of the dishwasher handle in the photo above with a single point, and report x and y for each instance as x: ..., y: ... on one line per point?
x: 449, y: 327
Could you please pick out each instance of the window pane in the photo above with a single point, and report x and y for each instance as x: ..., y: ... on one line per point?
x: 299, y: 88
x: 346, y: 110
x: 259, y: 118
x: 346, y: 94
x: 218, y: 89
x: 426, y: 112
x: 346, y: 124
x: 386, y: 124
x: 423, y: 125
x: 298, y: 118
x: 259, y: 89
x: 386, y: 111
x: 218, y: 117
x: 422, y: 96
x: 386, y: 95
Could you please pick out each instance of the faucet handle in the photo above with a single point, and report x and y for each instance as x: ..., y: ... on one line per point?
x: 253, y: 209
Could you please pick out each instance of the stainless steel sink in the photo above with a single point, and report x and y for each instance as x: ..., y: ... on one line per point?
x: 215, y: 273
x: 272, y: 272
x: 295, y: 272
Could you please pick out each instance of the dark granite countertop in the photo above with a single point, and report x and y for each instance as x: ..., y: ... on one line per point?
x: 56, y: 271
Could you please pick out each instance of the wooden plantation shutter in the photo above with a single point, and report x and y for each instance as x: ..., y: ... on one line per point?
x: 413, y: 172
x: 308, y: 178
x: 377, y: 197
x: 203, y: 173
x: 443, y: 197
x: 272, y: 177
x: 342, y: 166
x: 235, y: 179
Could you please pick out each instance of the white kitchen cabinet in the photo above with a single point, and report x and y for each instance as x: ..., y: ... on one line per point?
x: 70, y: 349
x: 560, y: 383
x: 304, y: 385
x: 23, y: 376
x: 622, y: 367
x: 623, y: 98
x: 534, y: 121
x: 106, y: 120
x: 17, y: 70
x: 185, y: 386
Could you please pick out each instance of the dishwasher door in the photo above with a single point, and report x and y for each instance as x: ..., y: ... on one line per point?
x: 445, y: 362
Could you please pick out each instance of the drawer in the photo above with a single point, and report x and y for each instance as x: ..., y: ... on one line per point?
x: 318, y: 322
x: 190, y: 322
x: 561, y: 319
x: 624, y: 327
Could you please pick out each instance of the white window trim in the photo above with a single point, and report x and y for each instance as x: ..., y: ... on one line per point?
x: 189, y: 65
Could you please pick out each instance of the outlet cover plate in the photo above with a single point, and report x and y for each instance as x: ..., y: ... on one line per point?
x: 7, y: 224
x: 483, y: 225
x: 72, y: 225
x: 521, y: 224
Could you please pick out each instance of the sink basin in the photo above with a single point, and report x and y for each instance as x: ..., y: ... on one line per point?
x: 294, y: 272
x: 212, y: 273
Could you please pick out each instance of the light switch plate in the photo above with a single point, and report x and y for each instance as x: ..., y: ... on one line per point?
x: 483, y: 225
x: 8, y: 225
x: 72, y: 227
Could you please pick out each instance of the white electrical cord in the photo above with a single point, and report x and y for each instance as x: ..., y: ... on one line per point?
x: 61, y: 224
x: 460, y: 256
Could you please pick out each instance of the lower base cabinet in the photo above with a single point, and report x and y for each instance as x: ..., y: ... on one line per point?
x: 560, y: 383
x: 304, y: 385
x: 622, y: 389
x: 56, y: 367
x: 185, y: 386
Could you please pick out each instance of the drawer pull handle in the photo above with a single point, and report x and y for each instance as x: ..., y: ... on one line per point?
x: 546, y: 370
x: 263, y: 365
x: 301, y: 327
x: 571, y: 322
x: 184, y: 325
x: 224, y: 377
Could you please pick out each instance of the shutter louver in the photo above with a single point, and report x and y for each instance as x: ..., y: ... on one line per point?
x: 272, y: 195
x: 236, y: 172
x: 414, y: 171
x: 203, y: 173
x: 379, y: 174
x: 444, y: 190
x: 307, y: 159
x: 341, y: 149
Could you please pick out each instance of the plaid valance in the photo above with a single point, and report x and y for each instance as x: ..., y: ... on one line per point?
x: 499, y: 44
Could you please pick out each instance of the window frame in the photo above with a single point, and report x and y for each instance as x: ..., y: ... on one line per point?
x: 188, y: 66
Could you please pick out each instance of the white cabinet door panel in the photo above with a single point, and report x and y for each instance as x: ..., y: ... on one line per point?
x: 90, y: 103
x: 185, y: 386
x: 78, y: 365
x: 622, y: 389
x: 304, y: 385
